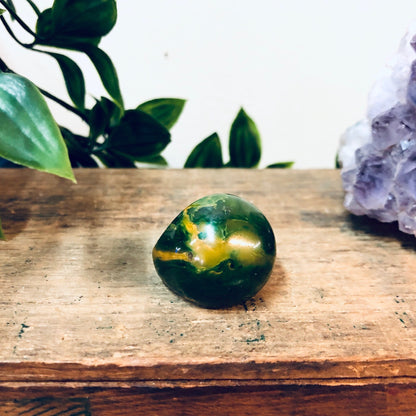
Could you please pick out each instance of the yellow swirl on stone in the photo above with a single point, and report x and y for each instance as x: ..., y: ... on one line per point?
x: 209, y: 252
x: 217, y: 252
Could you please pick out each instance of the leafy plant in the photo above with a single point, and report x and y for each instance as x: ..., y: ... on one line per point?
x: 244, y: 148
x: 117, y: 137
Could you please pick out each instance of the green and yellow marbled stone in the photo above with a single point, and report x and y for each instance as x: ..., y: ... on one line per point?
x: 218, y: 252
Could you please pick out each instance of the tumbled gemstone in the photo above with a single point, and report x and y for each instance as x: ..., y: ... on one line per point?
x: 218, y: 252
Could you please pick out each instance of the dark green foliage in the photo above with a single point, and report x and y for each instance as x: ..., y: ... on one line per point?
x: 90, y: 18
x: 106, y: 71
x: 244, y: 146
x: 245, y: 143
x: 338, y: 164
x: 281, y: 165
x: 207, y: 154
x: 138, y: 135
x: 165, y: 110
x: 78, y: 149
x: 74, y: 79
x: 69, y: 22
x: 104, y: 116
x: 113, y: 159
x: 118, y: 137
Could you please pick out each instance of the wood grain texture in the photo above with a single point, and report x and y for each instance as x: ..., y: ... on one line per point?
x: 82, y: 303
x: 311, y: 400
x: 44, y: 406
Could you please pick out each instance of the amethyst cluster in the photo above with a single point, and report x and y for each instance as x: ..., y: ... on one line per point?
x: 378, y: 154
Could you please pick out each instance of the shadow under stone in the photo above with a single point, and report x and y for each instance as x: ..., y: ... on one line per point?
x: 375, y: 228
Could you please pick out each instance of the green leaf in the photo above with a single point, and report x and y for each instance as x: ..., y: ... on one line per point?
x: 2, y: 236
x: 281, y: 165
x: 245, y: 143
x: 80, y: 18
x: 165, y: 110
x: 45, y: 30
x: 106, y: 71
x: 44, y: 24
x: 103, y: 116
x: 29, y: 135
x: 207, y: 154
x: 138, y: 135
x: 152, y: 160
x: 2, y: 11
x: 113, y: 159
x: 50, y: 33
x: 76, y: 21
x: 74, y: 79
x: 338, y: 163
x: 78, y: 149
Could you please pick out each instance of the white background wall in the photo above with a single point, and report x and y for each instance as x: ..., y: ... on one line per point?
x: 302, y: 69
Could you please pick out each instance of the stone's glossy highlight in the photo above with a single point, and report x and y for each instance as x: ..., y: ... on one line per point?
x: 218, y: 252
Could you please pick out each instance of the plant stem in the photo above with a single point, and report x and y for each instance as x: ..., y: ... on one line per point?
x: 9, y: 30
x: 18, y: 19
x: 34, y: 7
x: 64, y: 104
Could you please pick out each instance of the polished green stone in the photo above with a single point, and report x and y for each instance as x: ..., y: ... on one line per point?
x: 218, y: 252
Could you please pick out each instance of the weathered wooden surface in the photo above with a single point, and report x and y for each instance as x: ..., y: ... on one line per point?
x: 82, y: 306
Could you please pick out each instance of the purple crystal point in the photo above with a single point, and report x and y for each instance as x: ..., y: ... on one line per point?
x: 411, y: 86
x: 378, y: 155
x: 413, y: 42
x: 393, y: 126
x: 373, y: 182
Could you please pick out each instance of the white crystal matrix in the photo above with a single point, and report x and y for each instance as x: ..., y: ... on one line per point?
x: 378, y: 154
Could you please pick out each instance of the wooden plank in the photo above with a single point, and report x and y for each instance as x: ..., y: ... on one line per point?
x: 342, y: 400
x: 45, y: 406
x: 81, y: 300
